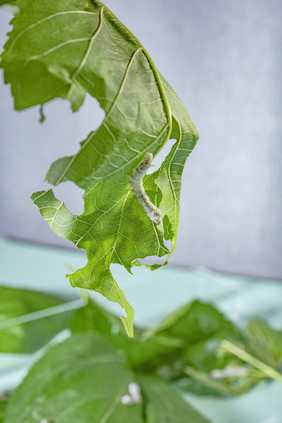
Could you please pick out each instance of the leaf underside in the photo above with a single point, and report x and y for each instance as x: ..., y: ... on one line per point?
x: 67, y: 49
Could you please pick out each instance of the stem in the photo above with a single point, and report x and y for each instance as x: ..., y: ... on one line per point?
x: 207, y: 381
x: 41, y: 314
x: 245, y: 356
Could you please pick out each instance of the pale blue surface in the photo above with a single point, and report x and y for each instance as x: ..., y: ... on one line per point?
x: 153, y: 295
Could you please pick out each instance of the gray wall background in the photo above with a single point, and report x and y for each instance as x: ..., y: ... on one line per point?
x: 223, y: 58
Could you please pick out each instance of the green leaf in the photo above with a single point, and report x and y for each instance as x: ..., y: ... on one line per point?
x: 19, y: 337
x: 164, y: 405
x: 69, y: 49
x: 80, y: 380
x: 197, y: 330
x: 194, y: 322
x: 141, y: 355
x: 189, y: 336
x: 264, y: 343
x: 195, y: 348
x: 2, y: 2
x: 237, y: 362
x: 92, y: 318
x: 261, y: 350
x: 3, y: 405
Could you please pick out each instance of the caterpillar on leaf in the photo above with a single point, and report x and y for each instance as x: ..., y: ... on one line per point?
x: 154, y: 214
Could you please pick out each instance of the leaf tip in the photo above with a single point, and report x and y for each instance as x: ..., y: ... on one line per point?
x: 128, y: 326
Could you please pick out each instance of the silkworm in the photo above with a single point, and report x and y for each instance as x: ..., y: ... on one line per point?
x: 134, y: 396
x: 154, y: 214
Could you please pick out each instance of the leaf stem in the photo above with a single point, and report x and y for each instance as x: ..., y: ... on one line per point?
x: 208, y: 381
x: 245, y: 356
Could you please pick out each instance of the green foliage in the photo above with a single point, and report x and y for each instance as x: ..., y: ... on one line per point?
x: 195, y: 349
x: 67, y: 49
x: 84, y: 379
x: 2, y: 2
x: 264, y: 343
x: 190, y: 349
x: 3, y: 404
x: 19, y: 337
x: 142, y: 356
x: 164, y: 405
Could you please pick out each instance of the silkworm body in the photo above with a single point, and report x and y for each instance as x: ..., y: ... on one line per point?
x: 134, y: 396
x: 154, y: 214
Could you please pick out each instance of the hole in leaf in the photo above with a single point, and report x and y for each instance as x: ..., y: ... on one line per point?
x: 167, y: 243
x: 64, y: 130
x: 71, y: 195
x: 158, y: 160
x: 153, y: 260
